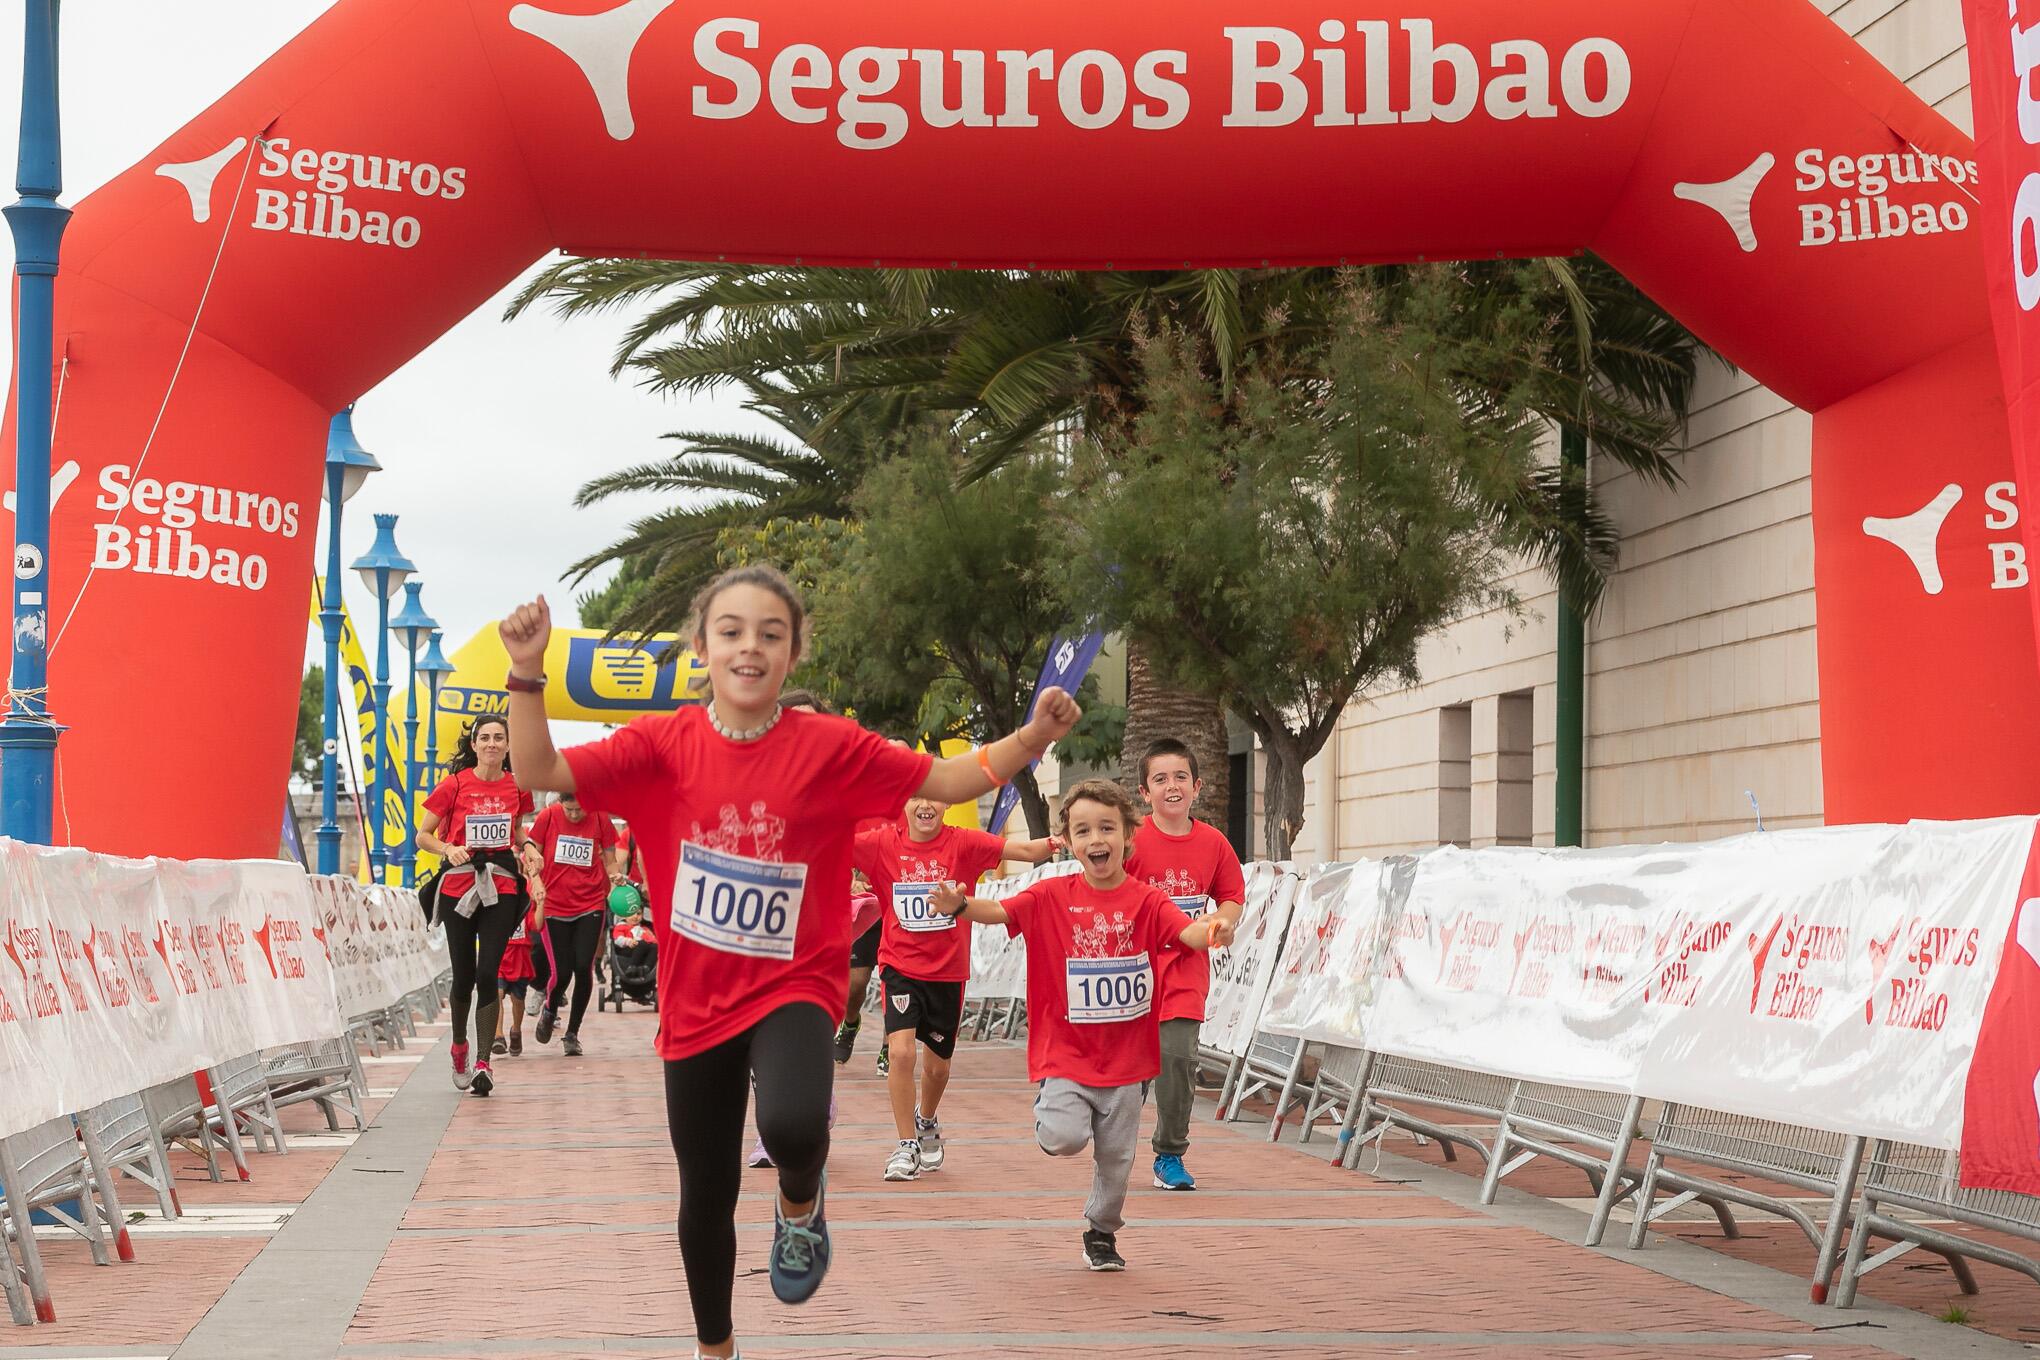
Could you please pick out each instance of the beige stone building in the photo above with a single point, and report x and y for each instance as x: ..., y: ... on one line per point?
x: 1702, y: 690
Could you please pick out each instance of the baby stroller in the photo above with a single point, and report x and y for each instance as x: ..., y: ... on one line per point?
x: 626, y: 979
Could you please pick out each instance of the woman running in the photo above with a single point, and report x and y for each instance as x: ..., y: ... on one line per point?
x: 578, y: 849
x: 745, y: 814
x: 474, y: 820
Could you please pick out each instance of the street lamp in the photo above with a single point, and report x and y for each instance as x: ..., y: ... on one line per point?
x: 414, y: 626
x: 347, y: 467
x: 383, y: 569
x: 28, y: 736
x: 435, y: 668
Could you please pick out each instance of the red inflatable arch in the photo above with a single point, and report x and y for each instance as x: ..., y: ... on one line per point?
x: 1742, y: 160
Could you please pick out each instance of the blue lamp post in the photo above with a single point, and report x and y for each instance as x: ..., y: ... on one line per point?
x: 347, y: 467
x: 414, y: 626
x: 383, y: 569
x: 435, y: 668
x: 28, y: 737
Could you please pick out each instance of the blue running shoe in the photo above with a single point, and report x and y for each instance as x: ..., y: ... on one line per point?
x: 800, y: 1255
x: 1171, y: 1175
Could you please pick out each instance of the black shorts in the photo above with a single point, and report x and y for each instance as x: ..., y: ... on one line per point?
x: 864, y: 949
x: 932, y: 1010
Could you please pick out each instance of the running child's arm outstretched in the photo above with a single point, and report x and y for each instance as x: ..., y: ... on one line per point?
x: 1040, y: 850
x: 949, y: 899
x: 968, y: 777
x: 537, y: 762
x: 1213, y: 932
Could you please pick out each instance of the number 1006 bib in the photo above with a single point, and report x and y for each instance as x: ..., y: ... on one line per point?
x: 1104, y: 991
x: 736, y: 904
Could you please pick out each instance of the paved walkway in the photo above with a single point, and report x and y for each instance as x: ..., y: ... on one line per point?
x: 539, y: 1223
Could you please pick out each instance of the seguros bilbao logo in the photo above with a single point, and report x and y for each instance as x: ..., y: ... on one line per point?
x: 1918, y: 535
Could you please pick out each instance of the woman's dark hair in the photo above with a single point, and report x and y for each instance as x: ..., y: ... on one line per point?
x: 464, y: 757
x: 804, y: 698
x: 765, y: 578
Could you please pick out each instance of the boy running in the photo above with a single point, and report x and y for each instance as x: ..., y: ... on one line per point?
x: 1195, y: 865
x: 924, y: 959
x: 1092, y: 1039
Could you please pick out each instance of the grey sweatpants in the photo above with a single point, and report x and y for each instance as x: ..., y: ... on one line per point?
x: 1067, y: 1117
x: 1175, y: 1088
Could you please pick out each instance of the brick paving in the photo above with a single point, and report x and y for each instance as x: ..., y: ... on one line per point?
x: 542, y: 1226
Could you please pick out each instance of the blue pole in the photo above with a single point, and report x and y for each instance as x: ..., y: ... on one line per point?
x: 379, y: 855
x: 28, y: 737
x: 431, y: 779
x: 411, y: 778
x: 329, y: 622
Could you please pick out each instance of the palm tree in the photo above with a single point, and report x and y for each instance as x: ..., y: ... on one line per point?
x: 720, y: 481
x: 1016, y: 357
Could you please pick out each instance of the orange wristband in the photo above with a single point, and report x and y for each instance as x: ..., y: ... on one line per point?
x: 984, y: 755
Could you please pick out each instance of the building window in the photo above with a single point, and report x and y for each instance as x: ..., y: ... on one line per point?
x: 1455, y: 775
x: 1515, y: 740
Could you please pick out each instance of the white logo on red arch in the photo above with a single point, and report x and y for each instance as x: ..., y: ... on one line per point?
x: 1848, y: 199
x: 1918, y: 536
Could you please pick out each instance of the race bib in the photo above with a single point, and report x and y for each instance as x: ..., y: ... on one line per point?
x: 910, y: 905
x: 578, y: 851
x: 736, y: 904
x: 1193, y: 907
x: 1103, y: 991
x: 488, y: 831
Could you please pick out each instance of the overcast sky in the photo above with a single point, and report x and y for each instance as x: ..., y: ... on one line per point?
x: 458, y: 429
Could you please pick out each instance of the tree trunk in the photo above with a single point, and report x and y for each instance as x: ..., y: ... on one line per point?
x: 1156, y: 709
x: 1032, y: 805
x: 1282, y: 803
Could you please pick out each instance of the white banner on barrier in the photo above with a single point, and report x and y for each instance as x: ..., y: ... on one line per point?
x: 1831, y: 978
x: 1326, y: 973
x: 1241, y: 972
x: 121, y: 974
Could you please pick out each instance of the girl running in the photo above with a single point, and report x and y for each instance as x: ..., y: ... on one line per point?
x: 578, y: 849
x: 480, y: 810
x: 744, y: 813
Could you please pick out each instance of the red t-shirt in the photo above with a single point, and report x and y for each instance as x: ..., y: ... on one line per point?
x: 576, y: 872
x: 1200, y: 864
x: 920, y: 942
x: 1090, y: 984
x: 480, y: 814
x: 516, y: 965
x: 748, y: 849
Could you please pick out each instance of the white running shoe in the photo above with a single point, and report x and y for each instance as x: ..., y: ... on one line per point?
x: 905, y: 1162
x: 928, y: 1133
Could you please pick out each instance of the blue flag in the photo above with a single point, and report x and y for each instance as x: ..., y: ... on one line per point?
x: 1069, y: 660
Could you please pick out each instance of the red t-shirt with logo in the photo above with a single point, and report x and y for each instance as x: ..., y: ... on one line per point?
x: 576, y: 872
x: 921, y: 942
x: 480, y: 814
x: 1198, y: 864
x: 748, y: 848
x: 1104, y: 933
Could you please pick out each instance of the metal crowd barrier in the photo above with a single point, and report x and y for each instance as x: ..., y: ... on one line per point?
x: 1559, y: 1121
x: 1828, y: 1164
x: 1272, y: 1063
x: 1395, y: 1083
x: 1923, y: 1181
x: 328, y: 1072
x: 131, y: 1145
x: 1335, y: 1094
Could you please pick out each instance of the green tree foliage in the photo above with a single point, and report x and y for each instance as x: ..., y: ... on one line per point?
x: 1290, y: 543
x: 308, y: 747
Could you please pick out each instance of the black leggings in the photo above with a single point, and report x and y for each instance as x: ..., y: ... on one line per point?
x: 573, y: 947
x: 476, y: 943
x: 793, y: 1060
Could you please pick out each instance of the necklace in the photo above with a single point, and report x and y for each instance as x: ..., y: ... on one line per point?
x: 743, y: 733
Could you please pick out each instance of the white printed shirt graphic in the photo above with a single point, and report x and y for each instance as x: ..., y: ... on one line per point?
x: 1107, y: 978
x: 751, y: 910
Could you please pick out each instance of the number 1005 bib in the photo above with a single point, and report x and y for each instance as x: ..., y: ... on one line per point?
x: 736, y: 904
x: 1104, y: 991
